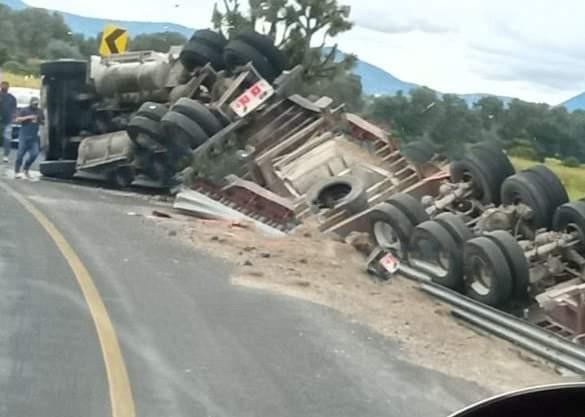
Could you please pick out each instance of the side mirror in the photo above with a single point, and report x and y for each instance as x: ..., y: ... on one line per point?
x: 564, y: 400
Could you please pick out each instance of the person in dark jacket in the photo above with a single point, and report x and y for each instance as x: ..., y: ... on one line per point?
x: 29, y: 141
x: 8, y: 109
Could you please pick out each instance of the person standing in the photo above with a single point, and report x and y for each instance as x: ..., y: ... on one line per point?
x: 29, y: 141
x: 8, y: 108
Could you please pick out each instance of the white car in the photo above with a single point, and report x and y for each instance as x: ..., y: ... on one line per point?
x: 23, y: 96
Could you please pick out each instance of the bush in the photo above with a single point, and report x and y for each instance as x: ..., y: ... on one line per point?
x: 571, y: 162
x: 525, y: 152
x: 15, y: 67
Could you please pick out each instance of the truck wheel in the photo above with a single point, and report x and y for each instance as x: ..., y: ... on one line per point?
x: 58, y: 169
x: 455, y: 226
x: 496, y: 163
x: 122, y: 177
x: 569, y: 218
x: 238, y: 53
x: 524, y: 188
x: 418, y: 152
x: 516, y: 259
x: 210, y: 38
x: 552, y: 184
x: 143, y: 125
x: 433, y: 250
x: 347, y: 192
x: 265, y: 45
x: 505, y: 167
x: 183, y: 131
x: 152, y: 111
x: 471, y: 169
x: 390, y: 229
x: 196, y: 54
x: 199, y: 113
x: 410, y: 206
x: 64, y: 68
x: 487, y: 275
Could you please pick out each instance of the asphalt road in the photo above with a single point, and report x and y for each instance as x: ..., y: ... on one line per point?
x: 192, y: 344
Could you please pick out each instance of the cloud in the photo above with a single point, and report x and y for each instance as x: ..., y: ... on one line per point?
x: 403, y: 26
x: 525, y: 48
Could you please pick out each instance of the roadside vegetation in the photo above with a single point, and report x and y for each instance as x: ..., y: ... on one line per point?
x: 16, y: 80
x: 573, y: 178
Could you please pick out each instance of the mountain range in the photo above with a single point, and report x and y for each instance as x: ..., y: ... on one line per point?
x: 375, y: 81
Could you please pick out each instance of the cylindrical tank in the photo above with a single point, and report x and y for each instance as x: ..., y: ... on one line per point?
x: 131, y: 77
x: 95, y: 151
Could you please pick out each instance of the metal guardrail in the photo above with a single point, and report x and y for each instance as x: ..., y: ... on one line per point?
x: 539, y: 341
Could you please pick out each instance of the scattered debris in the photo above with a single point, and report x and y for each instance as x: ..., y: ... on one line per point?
x: 332, y: 274
x: 162, y: 214
x: 361, y: 242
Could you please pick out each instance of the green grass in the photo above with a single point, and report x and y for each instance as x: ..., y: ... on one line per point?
x: 21, y: 80
x: 572, y: 178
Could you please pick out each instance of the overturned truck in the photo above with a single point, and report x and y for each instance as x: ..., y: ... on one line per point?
x: 110, y: 118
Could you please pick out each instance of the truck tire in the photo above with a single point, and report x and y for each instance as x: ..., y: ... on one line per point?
x: 238, y: 53
x: 142, y: 125
x: 455, y: 226
x: 517, y: 262
x: 496, y: 163
x: 485, y: 184
x: 570, y: 217
x: 390, y: 228
x: 418, y: 152
x: 66, y: 68
x: 410, y: 206
x: 553, y: 185
x: 524, y: 188
x: 487, y: 275
x: 196, y: 54
x: 199, y: 113
x: 183, y: 131
x: 265, y: 45
x: 63, y: 169
x: 122, y: 177
x: 432, y: 248
x: 210, y: 38
x: 346, y: 191
x: 153, y: 111
x: 505, y: 167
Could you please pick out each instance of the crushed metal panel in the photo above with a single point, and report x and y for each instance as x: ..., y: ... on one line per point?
x: 199, y: 205
x: 367, y: 127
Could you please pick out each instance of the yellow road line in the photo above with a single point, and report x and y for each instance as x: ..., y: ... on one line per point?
x: 119, y: 385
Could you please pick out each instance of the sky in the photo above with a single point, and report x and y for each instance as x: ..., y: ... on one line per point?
x: 530, y: 49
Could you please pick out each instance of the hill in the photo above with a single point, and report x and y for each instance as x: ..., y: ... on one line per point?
x: 90, y: 26
x: 575, y: 103
x: 376, y: 81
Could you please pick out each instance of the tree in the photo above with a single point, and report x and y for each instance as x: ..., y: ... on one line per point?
x: 294, y: 25
x: 345, y: 88
x: 36, y: 28
x: 87, y: 46
x: 491, y: 111
x: 231, y: 19
x: 58, y: 49
x: 161, y: 41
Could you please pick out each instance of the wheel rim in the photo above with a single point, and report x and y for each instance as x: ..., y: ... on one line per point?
x: 476, y: 185
x: 428, y: 255
x: 387, y: 238
x: 480, y: 276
